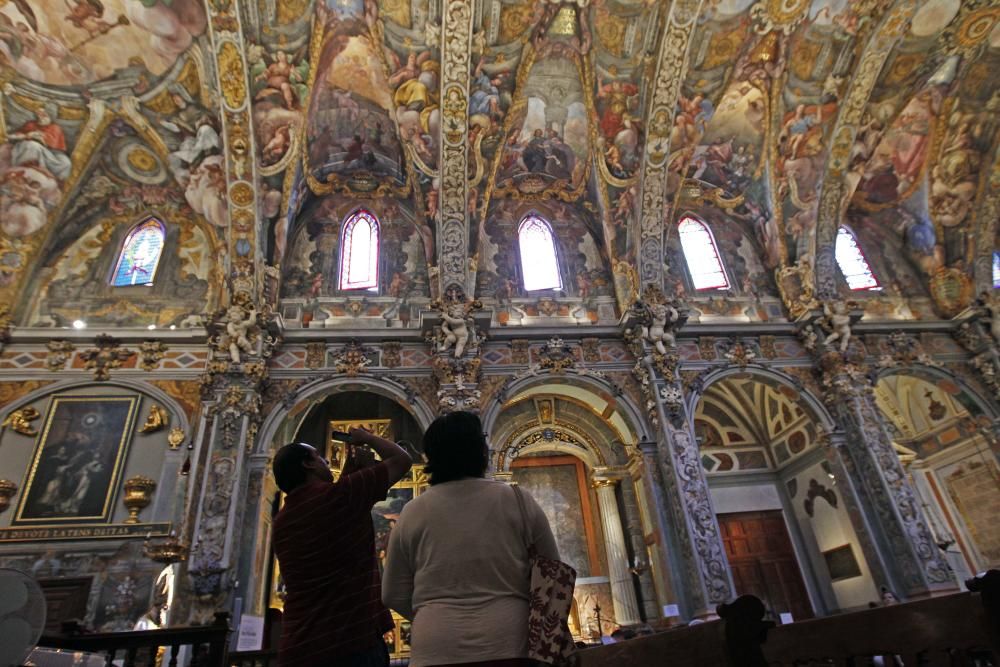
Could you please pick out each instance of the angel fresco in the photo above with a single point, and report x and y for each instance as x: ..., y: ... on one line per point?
x: 415, y: 98
x: 279, y: 92
x: 75, y: 42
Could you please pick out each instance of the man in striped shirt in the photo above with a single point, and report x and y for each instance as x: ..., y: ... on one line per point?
x: 325, y: 544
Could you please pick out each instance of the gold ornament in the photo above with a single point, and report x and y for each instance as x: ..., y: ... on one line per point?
x: 19, y: 420
x: 176, y: 437
x: 8, y: 489
x: 157, y: 419
x: 138, y: 494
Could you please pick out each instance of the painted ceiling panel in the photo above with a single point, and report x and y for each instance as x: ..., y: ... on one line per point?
x: 271, y: 121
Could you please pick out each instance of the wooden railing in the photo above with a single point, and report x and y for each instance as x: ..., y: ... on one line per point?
x: 206, y: 645
x: 960, y: 629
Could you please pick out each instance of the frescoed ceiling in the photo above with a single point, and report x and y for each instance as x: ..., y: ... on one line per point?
x: 258, y: 126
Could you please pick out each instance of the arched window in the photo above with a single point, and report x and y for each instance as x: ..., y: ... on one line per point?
x: 359, y: 252
x: 701, y: 255
x: 539, y: 265
x: 140, y: 255
x: 852, y: 262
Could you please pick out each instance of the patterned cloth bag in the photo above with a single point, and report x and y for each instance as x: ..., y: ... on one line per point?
x: 551, y: 596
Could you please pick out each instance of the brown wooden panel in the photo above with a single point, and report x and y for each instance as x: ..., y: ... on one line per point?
x: 65, y: 600
x: 763, y: 561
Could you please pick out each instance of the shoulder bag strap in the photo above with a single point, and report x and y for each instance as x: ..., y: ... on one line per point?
x: 524, y: 517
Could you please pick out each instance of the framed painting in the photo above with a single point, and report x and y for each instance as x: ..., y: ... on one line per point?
x: 842, y: 563
x: 78, y: 461
x: 336, y: 450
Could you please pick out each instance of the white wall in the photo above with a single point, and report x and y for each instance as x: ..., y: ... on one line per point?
x: 828, y: 528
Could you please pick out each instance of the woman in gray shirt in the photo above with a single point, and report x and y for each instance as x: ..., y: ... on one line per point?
x: 457, y: 563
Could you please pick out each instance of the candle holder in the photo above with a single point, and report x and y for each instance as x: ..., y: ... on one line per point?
x: 169, y: 551
x: 8, y: 490
x: 138, y: 494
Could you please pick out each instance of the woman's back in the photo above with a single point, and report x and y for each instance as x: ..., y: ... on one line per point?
x: 458, y: 566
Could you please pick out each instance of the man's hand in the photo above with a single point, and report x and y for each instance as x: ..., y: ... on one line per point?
x: 395, y: 457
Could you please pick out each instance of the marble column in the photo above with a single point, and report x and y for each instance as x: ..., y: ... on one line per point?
x: 622, y: 588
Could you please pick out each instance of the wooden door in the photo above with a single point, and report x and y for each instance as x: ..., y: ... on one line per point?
x: 763, y: 562
x: 65, y: 600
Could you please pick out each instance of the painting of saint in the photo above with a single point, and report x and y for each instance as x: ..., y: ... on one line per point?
x: 75, y: 473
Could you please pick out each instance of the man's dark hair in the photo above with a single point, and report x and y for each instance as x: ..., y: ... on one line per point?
x: 288, y: 470
x: 455, y: 447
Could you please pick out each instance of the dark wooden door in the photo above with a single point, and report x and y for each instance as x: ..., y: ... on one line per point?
x: 763, y: 562
x: 65, y: 600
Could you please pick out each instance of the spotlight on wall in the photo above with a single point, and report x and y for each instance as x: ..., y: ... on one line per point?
x: 151, y: 327
x: 79, y: 324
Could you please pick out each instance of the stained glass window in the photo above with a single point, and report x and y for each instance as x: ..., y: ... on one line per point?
x: 701, y: 255
x: 539, y: 265
x: 996, y: 269
x: 359, y: 252
x: 140, y: 255
x: 852, y: 262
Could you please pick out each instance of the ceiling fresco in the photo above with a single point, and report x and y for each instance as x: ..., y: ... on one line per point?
x: 264, y: 124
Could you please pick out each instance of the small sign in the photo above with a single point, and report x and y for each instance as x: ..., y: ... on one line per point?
x: 251, y: 633
x: 785, y: 617
x: 671, y: 611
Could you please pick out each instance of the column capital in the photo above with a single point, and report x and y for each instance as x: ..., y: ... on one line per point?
x: 503, y: 476
x: 607, y: 476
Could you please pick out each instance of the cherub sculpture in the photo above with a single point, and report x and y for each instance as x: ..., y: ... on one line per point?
x: 238, y: 324
x: 658, y: 323
x: 455, y: 327
x: 839, y: 319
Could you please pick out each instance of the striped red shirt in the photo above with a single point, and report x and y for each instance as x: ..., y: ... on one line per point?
x: 325, y: 544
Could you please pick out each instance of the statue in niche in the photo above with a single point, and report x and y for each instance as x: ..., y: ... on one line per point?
x: 838, y: 318
x: 457, y: 325
x: 239, y: 321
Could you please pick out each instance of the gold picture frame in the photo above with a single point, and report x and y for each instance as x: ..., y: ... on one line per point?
x: 78, y: 462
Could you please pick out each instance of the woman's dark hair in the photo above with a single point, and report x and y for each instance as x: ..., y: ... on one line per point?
x: 455, y: 447
x: 289, y: 472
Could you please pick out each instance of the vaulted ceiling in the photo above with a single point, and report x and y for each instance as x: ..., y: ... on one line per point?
x: 255, y: 127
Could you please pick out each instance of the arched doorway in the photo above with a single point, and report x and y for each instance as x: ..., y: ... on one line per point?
x: 944, y: 438
x: 571, y: 445
x: 783, y: 513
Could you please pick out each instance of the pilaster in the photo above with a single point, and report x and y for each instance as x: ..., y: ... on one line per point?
x: 622, y: 587
x: 650, y: 327
x: 910, y: 557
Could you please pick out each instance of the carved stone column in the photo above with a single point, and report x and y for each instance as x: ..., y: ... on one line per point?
x: 912, y: 559
x: 635, y: 535
x: 699, y: 552
x: 622, y: 587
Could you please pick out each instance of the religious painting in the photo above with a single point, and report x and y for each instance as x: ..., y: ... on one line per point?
x: 620, y: 122
x: 549, y: 148
x: 841, y: 563
x: 78, y: 42
x: 350, y: 131
x: 336, y: 452
x: 74, y: 475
